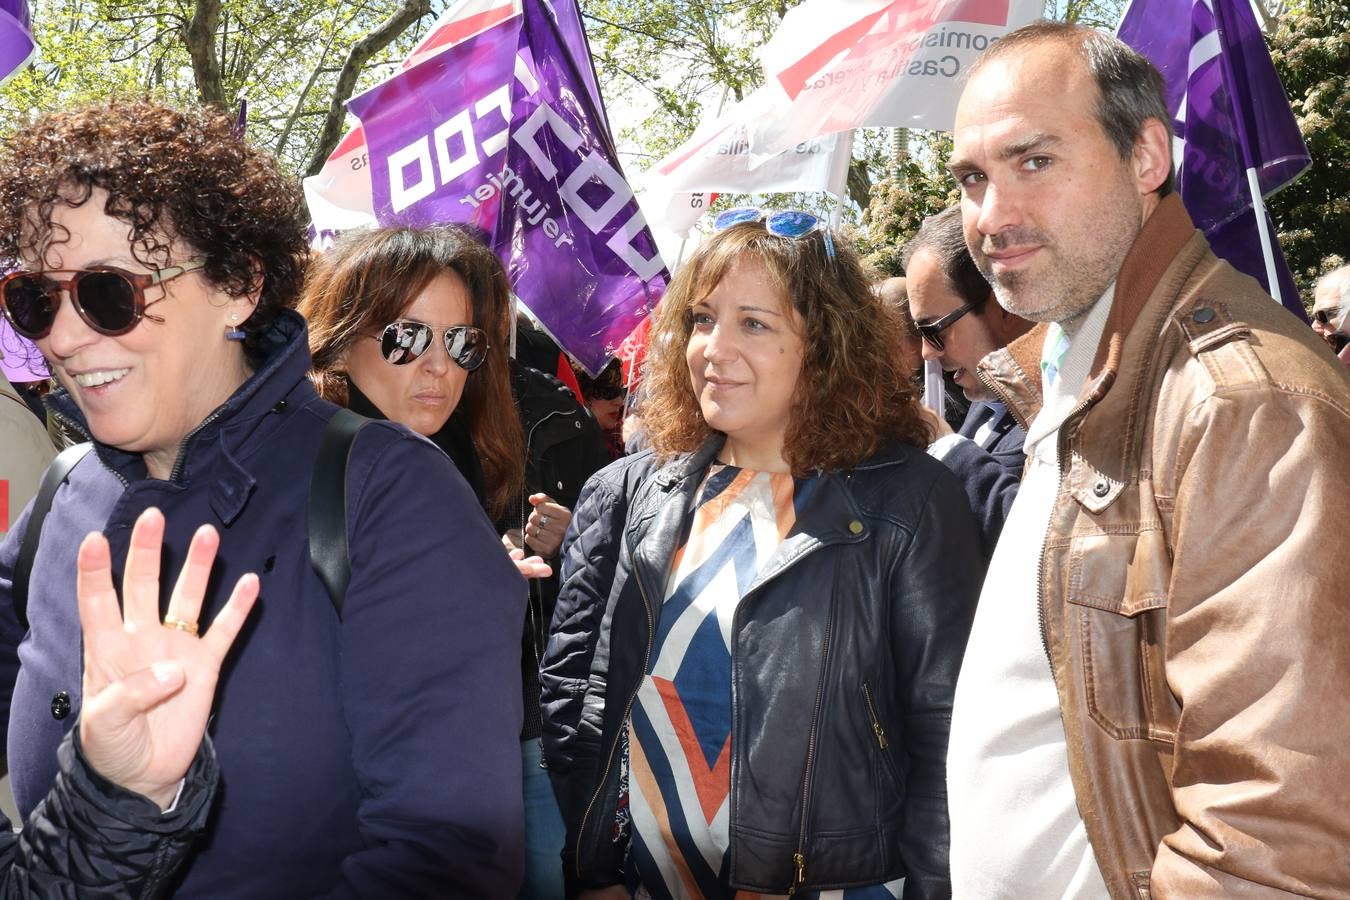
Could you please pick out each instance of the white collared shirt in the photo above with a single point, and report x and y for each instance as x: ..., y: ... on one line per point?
x: 1015, y: 827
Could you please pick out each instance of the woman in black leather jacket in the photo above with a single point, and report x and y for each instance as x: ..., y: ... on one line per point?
x: 749, y: 679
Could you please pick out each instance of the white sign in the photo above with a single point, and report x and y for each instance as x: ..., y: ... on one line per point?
x: 835, y: 65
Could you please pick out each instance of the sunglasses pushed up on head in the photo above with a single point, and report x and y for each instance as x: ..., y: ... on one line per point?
x: 109, y: 300
x: 788, y: 223
x: 405, y: 340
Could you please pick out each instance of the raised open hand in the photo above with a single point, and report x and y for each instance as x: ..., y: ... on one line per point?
x: 148, y: 685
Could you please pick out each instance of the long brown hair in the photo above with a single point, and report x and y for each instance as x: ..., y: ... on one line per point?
x: 852, y: 393
x: 367, y: 281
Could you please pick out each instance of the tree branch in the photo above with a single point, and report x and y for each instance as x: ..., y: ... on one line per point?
x: 361, y: 52
x: 631, y: 29
x: 199, y: 39
x: 286, y: 130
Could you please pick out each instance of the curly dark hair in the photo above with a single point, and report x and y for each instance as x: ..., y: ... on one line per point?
x: 369, y: 278
x: 171, y: 175
x: 852, y: 394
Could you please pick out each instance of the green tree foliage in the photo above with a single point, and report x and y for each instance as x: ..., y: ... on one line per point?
x: 676, y: 62
x: 291, y: 59
x: 1311, y: 50
x: 680, y: 61
x: 917, y: 186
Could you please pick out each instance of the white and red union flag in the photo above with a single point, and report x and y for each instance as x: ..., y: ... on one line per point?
x: 717, y: 157
x: 339, y: 197
x: 673, y: 212
x: 840, y: 64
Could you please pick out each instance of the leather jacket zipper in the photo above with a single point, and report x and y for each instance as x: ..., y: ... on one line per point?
x: 997, y: 390
x: 876, y: 722
x: 1004, y: 396
x: 799, y: 858
x: 623, y: 723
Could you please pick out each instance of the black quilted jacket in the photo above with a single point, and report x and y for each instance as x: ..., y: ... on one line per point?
x: 91, y: 839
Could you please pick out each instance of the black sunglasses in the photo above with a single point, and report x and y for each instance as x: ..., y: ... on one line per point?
x: 932, y: 332
x: 109, y: 300
x: 1324, y: 316
x: 403, y: 341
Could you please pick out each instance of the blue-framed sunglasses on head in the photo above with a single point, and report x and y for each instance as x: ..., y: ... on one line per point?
x: 788, y: 223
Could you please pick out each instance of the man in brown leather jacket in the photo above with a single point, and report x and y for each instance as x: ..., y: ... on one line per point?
x: 1154, y: 697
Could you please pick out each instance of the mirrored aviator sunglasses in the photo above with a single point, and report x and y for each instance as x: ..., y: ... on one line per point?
x: 788, y: 223
x: 404, y: 341
x: 111, y: 301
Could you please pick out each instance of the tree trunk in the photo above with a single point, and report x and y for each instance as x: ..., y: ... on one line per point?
x: 859, y: 183
x: 382, y: 36
x: 200, y: 40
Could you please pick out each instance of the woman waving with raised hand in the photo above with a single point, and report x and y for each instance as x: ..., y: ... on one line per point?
x: 749, y: 680
x: 137, y: 775
x: 367, y: 735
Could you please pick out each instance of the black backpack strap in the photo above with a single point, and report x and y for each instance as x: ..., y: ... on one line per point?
x: 328, y: 505
x: 52, y: 479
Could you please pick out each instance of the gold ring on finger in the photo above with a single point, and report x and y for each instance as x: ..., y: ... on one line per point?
x: 180, y: 625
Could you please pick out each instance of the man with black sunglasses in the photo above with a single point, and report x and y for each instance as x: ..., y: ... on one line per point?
x: 959, y: 324
x: 1331, y: 311
x: 950, y: 302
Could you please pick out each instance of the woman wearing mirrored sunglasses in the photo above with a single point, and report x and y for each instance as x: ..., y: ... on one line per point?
x: 748, y: 685
x: 412, y: 325
x: 160, y: 258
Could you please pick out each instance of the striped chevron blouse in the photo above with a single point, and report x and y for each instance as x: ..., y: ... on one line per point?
x: 679, y: 741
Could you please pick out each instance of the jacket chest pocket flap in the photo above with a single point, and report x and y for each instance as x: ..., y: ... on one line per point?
x: 1117, y: 615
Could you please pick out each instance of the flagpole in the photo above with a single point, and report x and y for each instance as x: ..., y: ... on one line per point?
x: 845, y: 148
x: 515, y: 312
x: 1253, y: 182
x: 1259, y: 207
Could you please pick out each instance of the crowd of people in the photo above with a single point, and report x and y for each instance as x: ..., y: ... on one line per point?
x: 482, y: 628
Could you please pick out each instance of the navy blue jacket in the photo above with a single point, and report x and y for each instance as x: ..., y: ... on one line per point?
x: 375, y: 756
x: 1005, y: 437
x: 992, y: 470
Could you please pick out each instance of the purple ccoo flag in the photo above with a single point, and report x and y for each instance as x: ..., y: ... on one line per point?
x: 20, y: 359
x: 505, y: 132
x: 16, y: 43
x: 1236, y: 138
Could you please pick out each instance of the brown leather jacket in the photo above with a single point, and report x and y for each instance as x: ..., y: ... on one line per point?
x: 1195, y: 582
